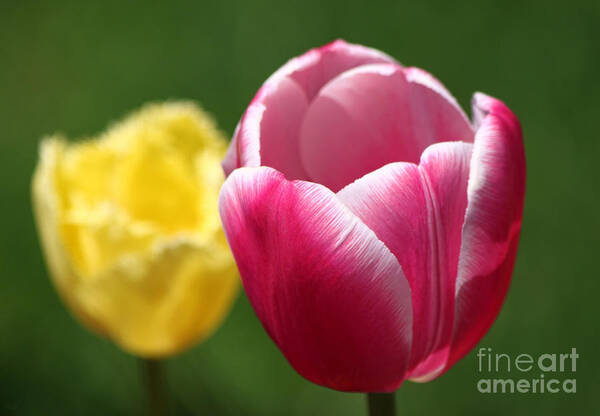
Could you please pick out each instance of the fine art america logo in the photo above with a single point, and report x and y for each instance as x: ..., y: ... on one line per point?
x: 545, y: 373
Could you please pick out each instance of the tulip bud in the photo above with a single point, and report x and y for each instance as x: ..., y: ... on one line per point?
x: 374, y: 225
x: 130, y: 230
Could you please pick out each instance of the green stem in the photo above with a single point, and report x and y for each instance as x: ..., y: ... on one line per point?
x: 154, y: 383
x: 381, y: 404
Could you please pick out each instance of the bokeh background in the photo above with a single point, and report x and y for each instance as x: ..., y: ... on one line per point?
x: 75, y: 66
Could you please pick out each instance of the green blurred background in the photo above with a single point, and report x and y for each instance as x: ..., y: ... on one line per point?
x: 75, y: 66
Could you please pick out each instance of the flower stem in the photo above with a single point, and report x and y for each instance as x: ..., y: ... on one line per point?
x: 381, y: 404
x: 154, y: 383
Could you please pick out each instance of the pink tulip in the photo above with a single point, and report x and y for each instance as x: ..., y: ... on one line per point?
x: 374, y: 226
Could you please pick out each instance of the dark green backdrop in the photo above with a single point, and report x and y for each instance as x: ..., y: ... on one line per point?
x: 74, y: 67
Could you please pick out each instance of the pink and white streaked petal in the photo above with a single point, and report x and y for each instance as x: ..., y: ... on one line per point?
x: 445, y: 169
x: 492, y: 223
x: 329, y: 293
x: 231, y: 160
x: 282, y: 108
x: 371, y: 116
x: 417, y: 211
x: 244, y: 148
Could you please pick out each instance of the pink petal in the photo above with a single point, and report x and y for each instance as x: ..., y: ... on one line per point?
x: 244, y: 148
x: 446, y: 168
x: 418, y: 211
x: 318, y: 66
x: 271, y: 126
x: 425, y: 79
x: 231, y: 160
x: 268, y: 132
x: 328, y: 292
x: 492, y: 223
x: 373, y: 115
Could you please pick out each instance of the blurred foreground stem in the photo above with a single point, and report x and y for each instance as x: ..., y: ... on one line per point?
x: 381, y: 404
x: 154, y: 382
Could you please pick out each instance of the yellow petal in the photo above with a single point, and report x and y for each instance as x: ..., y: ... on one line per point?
x: 130, y: 228
x: 161, y: 302
x: 46, y: 206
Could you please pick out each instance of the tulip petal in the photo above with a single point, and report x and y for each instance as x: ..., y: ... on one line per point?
x: 231, y: 160
x: 274, y: 120
x: 328, y: 292
x: 418, y: 211
x: 373, y: 115
x: 446, y: 168
x: 160, y: 303
x: 268, y: 132
x: 46, y: 208
x: 318, y: 66
x: 426, y: 80
x: 492, y: 222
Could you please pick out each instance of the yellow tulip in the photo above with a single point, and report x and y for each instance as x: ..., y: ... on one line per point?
x: 130, y: 228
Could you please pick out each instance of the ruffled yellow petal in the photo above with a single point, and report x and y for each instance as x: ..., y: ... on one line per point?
x: 161, y: 302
